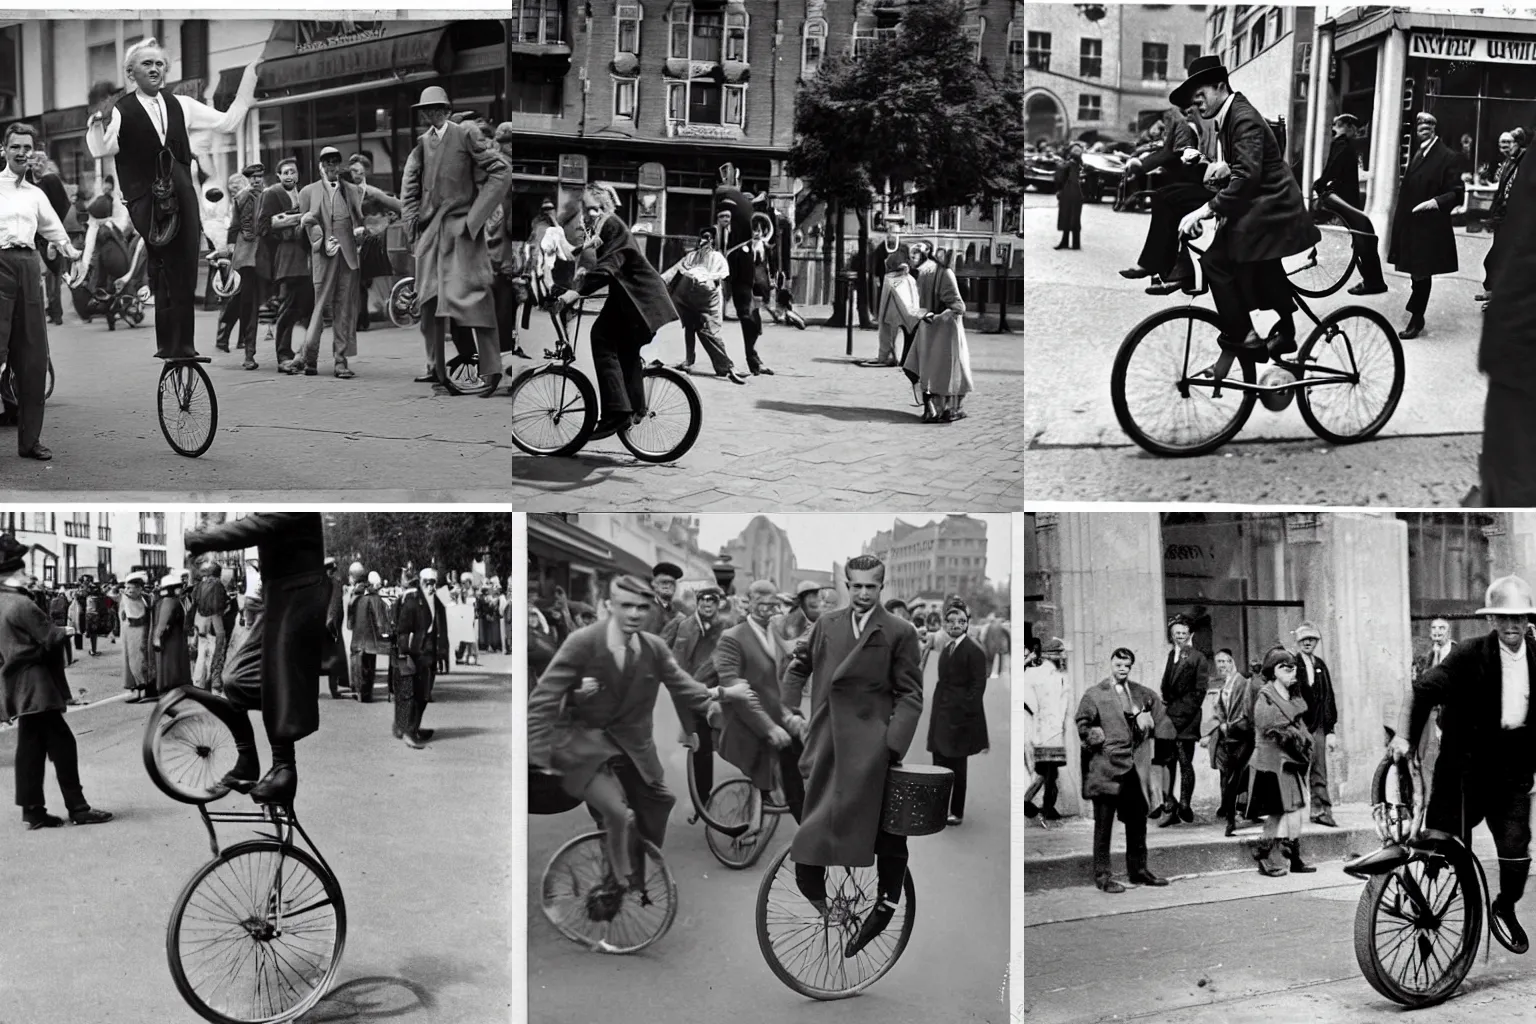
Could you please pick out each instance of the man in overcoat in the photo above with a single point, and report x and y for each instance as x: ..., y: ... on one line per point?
x: 1231, y: 738
x: 638, y: 305
x: 331, y: 211
x: 1423, y: 242
x: 421, y: 637
x: 244, y: 241
x: 693, y: 646
x: 1183, y: 692
x: 1338, y: 190
x: 449, y: 190
x: 1487, y: 749
x: 752, y: 733
x: 957, y: 727
x: 34, y: 694
x: 290, y: 629
x: 861, y: 663
x: 1315, y: 685
x: 334, y: 662
x: 369, y: 622
x: 1114, y: 724
x: 1263, y: 216
x: 284, y: 255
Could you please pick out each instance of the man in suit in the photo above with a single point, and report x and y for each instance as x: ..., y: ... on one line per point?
x: 331, y: 211
x: 421, y: 637
x: 369, y: 622
x: 1264, y: 218
x: 45, y: 175
x: 1423, y: 242
x: 1486, y: 763
x: 605, y: 677
x: 1183, y: 692
x: 752, y: 733
x: 957, y: 728
x: 146, y: 131
x: 1498, y: 209
x: 1315, y: 685
x: 1185, y: 152
x: 693, y: 645
x: 284, y: 255
x: 334, y: 663
x: 1231, y: 737
x: 861, y: 664
x: 451, y: 186
x: 664, y: 615
x: 244, y: 241
x: 1338, y: 190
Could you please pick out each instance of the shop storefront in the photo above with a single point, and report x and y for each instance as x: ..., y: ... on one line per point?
x: 563, y: 555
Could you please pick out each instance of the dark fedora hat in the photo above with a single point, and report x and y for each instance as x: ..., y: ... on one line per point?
x: 1202, y: 71
x: 12, y: 554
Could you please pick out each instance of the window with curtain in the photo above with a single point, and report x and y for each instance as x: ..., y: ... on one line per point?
x: 813, y: 46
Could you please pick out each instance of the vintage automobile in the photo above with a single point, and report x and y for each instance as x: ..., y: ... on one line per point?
x: 1040, y: 170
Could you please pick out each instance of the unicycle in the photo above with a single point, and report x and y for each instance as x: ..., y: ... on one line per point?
x: 1421, y: 917
x: 579, y: 896
x: 256, y: 935
x: 738, y: 823
x: 403, y: 308
x: 188, y: 407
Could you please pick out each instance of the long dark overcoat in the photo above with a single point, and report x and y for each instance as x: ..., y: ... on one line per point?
x: 1423, y: 244
x: 1184, y: 692
x: 1103, y: 765
x: 31, y: 659
x: 866, y: 699
x: 168, y: 637
x: 957, y: 725
x: 1341, y: 174
x: 1069, y: 196
x: 629, y: 276
x: 1265, y: 216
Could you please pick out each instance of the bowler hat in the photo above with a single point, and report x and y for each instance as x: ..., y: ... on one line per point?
x: 807, y: 587
x: 253, y: 169
x: 1202, y: 71
x: 666, y: 569
x: 12, y: 554
x: 1507, y: 595
x: 433, y: 96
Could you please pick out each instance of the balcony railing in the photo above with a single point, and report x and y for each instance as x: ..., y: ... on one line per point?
x: 81, y: 530
x: 104, y: 533
x: 157, y: 539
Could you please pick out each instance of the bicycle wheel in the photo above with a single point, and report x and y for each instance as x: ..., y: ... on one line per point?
x: 1322, y: 269
x: 738, y: 802
x: 1418, y: 928
x: 604, y: 924
x: 464, y: 377
x: 189, y: 410
x: 1155, y: 402
x: 554, y: 410
x: 257, y: 934
x: 403, y: 311
x: 673, y: 417
x: 805, y: 949
x: 1357, y: 343
x: 187, y: 750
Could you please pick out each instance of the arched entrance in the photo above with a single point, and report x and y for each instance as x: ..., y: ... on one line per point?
x: 1044, y: 118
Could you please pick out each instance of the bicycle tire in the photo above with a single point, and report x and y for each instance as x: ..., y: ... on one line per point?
x: 455, y: 374
x: 743, y: 849
x: 1329, y: 240
x: 654, y: 860
x: 403, y: 308
x: 1321, y: 335
x: 8, y: 387
x: 655, y: 395
x: 48, y: 392
x: 331, y: 889
x: 204, y: 741
x: 1122, y: 364
x: 907, y: 910
x: 1367, y: 914
x: 192, y: 445
x: 701, y: 806
x: 556, y: 410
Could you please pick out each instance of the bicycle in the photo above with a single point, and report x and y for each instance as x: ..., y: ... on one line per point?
x: 554, y: 406
x: 1168, y: 386
x: 464, y: 368
x: 580, y: 894
x: 1421, y: 918
x: 738, y: 822
x: 803, y: 946
x: 257, y: 933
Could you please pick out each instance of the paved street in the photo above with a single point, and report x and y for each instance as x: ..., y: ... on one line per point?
x: 377, y: 437
x: 420, y: 841
x: 1077, y: 311
x: 708, y: 967
x: 819, y: 435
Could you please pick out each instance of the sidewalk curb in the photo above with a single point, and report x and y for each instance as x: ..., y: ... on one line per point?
x: 1200, y: 856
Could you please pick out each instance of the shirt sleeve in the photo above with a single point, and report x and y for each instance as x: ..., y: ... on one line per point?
x: 101, y: 137
x: 48, y: 223
x: 201, y: 117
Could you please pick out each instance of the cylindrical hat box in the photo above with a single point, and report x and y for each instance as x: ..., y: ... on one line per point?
x: 916, y: 799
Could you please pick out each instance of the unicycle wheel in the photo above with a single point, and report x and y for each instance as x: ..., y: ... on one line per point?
x: 805, y: 949
x: 403, y: 311
x: 571, y: 897
x: 735, y: 802
x: 187, y: 750
x: 1417, y: 929
x: 672, y: 418
x: 257, y: 934
x: 188, y: 407
x: 464, y: 377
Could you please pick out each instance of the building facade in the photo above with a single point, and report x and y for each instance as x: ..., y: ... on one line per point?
x: 647, y: 539
x: 1104, y: 68
x: 763, y: 551
x: 67, y: 544
x: 1370, y: 582
x: 940, y: 558
x: 1267, y: 50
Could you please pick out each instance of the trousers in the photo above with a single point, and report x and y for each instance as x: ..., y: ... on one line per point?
x: 173, y: 268
x: 651, y: 802
x: 706, y: 324
x: 957, y: 795
x: 434, y: 329
x: 1317, y: 775
x: 335, y: 286
x: 211, y: 640
x: 617, y: 336
x: 1130, y: 805
x: 295, y: 307
x: 24, y: 340
x: 42, y: 737
x: 364, y: 672
x: 1418, y: 298
x: 1238, y: 288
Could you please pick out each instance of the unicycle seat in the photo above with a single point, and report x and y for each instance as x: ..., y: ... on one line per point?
x: 172, y: 360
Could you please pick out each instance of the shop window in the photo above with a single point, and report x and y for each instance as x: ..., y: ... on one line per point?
x: 1237, y: 52
x: 813, y: 46
x: 1191, y: 51
x: 540, y: 21
x: 1090, y: 57
x: 1090, y: 107
x: 1257, y: 38
x: 194, y: 49
x: 1039, y: 52
x: 624, y: 90
x: 1154, y: 62
x: 629, y: 28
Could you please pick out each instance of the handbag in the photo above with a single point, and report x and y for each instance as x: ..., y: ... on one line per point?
x: 165, y: 206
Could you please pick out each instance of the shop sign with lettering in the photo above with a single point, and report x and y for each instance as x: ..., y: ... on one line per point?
x: 682, y: 130
x: 1449, y: 46
x: 322, y: 35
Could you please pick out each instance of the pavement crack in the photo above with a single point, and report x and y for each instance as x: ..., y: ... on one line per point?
x: 358, y: 434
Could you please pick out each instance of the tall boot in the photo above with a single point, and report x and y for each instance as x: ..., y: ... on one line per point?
x: 1506, y: 928
x: 1292, y: 850
x: 1261, y: 851
x: 1063, y: 243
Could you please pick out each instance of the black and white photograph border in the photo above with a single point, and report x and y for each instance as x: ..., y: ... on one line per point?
x: 396, y: 901
x: 959, y: 962
x: 100, y: 381
x: 1339, y: 336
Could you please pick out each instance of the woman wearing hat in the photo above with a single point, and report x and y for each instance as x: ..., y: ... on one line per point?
x: 1487, y: 747
x: 138, y: 665
x: 173, y: 666
x: 1277, y: 788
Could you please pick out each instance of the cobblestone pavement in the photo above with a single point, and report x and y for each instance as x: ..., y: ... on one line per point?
x: 819, y: 435
x: 1077, y: 309
x: 378, y: 436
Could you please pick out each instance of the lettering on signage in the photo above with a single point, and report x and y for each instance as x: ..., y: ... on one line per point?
x: 1442, y: 45
x: 1186, y: 552
x: 703, y: 131
x: 1475, y: 48
x: 380, y: 55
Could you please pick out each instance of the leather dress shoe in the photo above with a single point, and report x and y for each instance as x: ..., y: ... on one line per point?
x: 1186, y: 813
x: 426, y: 378
x: 1506, y: 928
x: 1030, y: 810
x: 91, y: 816
x: 1171, y: 819
x: 1363, y: 289
x: 425, y: 734
x: 1279, y: 344
x: 873, y: 924
x: 413, y: 741
x: 1170, y: 285
x: 41, y: 820
x: 1148, y: 878
x: 1105, y: 883
x: 1413, y: 330
x: 278, y: 786
x: 1252, y: 346
x: 734, y: 377
x: 1325, y: 820
x: 607, y: 426
x: 1135, y: 273
x: 38, y: 452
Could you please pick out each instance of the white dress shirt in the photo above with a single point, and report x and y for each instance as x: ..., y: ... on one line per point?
x: 25, y: 213
x: 763, y: 638
x: 1221, y: 119
x: 860, y: 621
x: 1517, y: 687
x: 617, y: 644
x: 101, y: 137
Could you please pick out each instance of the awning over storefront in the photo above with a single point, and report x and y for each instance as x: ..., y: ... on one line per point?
x: 390, y: 50
x: 1364, y: 24
x: 550, y: 535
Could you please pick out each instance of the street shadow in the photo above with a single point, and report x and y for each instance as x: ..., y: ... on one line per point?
x: 1000, y: 372
x: 841, y: 412
x: 375, y: 998
x: 566, y: 474
x: 847, y: 361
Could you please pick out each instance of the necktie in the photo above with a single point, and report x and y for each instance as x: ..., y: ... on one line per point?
x: 1125, y: 697
x: 629, y: 657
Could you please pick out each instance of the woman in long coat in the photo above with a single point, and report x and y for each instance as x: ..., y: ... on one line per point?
x: 173, y: 665
x: 1277, y: 787
x: 138, y: 665
x: 1423, y: 242
x: 940, y: 357
x: 1069, y: 198
x: 957, y: 727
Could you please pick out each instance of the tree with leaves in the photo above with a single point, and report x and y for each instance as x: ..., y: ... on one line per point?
x: 389, y: 542
x: 917, y: 110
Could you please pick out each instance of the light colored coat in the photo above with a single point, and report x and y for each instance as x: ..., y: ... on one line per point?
x: 1048, y: 693
x: 940, y: 355
x: 313, y: 200
x: 449, y: 191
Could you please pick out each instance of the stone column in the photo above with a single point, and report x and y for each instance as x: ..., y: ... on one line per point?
x: 1351, y: 570
x: 1386, y: 133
